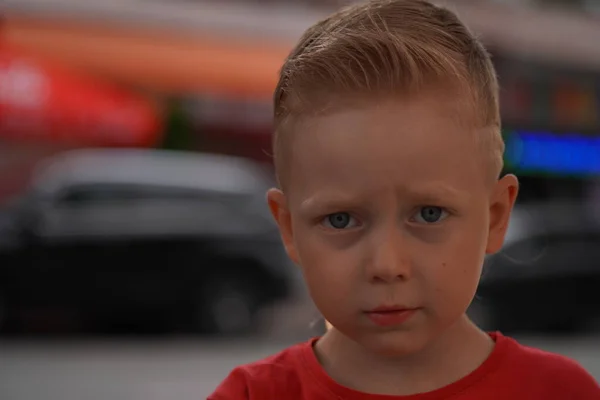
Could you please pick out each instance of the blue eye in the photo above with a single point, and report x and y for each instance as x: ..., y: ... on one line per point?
x: 431, y: 215
x: 341, y: 220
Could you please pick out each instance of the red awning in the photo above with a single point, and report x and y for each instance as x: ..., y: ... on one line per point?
x: 44, y: 102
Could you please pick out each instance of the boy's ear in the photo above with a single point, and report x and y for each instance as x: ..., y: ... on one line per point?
x: 279, y: 208
x: 502, y: 201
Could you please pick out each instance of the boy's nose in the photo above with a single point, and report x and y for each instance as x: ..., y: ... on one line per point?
x: 388, y: 262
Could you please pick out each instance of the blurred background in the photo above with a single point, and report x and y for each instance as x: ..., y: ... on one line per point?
x: 137, y: 256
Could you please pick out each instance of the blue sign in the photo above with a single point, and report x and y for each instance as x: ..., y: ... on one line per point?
x: 550, y: 153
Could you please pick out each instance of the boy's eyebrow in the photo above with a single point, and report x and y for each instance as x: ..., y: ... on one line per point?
x: 437, y: 190
x: 324, y: 199
x: 431, y: 191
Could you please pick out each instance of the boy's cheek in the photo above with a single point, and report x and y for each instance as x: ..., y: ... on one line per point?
x: 322, y: 264
x: 457, y: 263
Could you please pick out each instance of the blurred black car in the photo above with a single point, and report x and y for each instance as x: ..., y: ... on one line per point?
x: 122, y: 240
x: 547, y: 277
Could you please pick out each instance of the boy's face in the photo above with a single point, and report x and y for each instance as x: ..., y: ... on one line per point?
x: 391, y: 206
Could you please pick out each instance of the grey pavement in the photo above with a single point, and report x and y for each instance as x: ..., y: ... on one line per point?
x: 181, y: 368
x: 167, y: 367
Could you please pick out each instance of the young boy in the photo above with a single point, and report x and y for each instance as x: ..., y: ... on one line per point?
x: 388, y: 153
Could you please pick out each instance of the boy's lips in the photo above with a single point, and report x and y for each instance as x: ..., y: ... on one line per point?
x: 390, y: 308
x: 390, y: 315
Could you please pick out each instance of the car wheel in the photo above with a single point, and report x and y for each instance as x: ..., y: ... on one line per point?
x: 228, y: 306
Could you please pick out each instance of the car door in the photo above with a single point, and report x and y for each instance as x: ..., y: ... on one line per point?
x: 88, y: 211
x: 570, y: 275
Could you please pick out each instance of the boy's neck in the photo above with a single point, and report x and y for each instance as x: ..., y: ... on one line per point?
x: 453, y: 355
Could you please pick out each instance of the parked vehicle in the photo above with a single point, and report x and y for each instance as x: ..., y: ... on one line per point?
x: 547, y: 278
x: 123, y: 239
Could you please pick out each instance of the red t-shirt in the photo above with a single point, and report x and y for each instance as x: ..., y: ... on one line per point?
x: 512, y: 371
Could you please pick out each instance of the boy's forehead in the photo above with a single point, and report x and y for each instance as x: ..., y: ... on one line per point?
x: 430, y: 107
x: 427, y: 126
x: 364, y: 150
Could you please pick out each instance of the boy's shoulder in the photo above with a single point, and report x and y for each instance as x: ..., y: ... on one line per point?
x: 276, y: 375
x: 513, y: 370
x: 555, y: 372
x: 542, y: 361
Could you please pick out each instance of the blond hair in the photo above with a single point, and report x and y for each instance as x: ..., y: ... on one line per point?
x: 386, y: 48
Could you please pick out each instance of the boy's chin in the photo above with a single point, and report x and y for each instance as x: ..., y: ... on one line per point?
x: 393, y: 343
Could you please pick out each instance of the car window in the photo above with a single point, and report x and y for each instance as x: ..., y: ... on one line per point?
x: 89, y: 194
x: 83, y: 195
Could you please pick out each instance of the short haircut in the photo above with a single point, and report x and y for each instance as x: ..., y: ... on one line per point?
x: 387, y: 48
